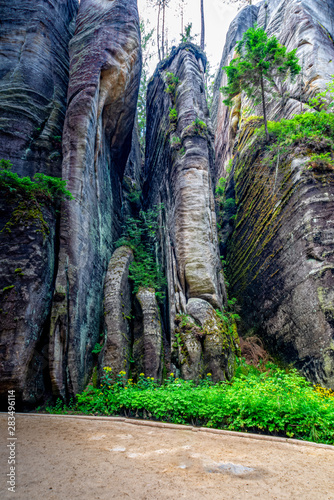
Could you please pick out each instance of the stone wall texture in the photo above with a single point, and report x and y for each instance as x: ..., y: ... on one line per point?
x: 105, y: 65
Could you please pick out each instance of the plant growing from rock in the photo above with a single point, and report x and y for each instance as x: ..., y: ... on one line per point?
x: 260, y: 63
x: 141, y: 234
x: 30, y: 195
x: 324, y: 101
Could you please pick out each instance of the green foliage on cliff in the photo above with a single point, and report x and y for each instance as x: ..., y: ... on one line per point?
x: 260, y: 63
x: 324, y: 101
x: 304, y: 128
x: 41, y: 186
x: 172, y: 82
x: 141, y: 234
x: 173, y: 116
x: 27, y: 196
x: 273, y: 402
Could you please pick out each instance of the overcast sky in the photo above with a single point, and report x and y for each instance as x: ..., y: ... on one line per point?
x: 218, y: 17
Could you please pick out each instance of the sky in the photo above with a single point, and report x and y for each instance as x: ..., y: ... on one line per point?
x: 218, y: 17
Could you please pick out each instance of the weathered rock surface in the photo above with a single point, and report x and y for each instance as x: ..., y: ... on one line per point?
x: 105, y: 64
x: 147, y: 345
x: 117, y: 311
x: 179, y: 171
x: 34, y: 64
x: 279, y: 257
x: 27, y: 260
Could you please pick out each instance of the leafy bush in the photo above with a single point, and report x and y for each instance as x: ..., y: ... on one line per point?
x: 273, y: 402
x: 28, y: 195
x: 41, y: 186
x: 172, y: 115
x: 197, y: 127
x: 302, y: 128
x: 321, y: 162
x: 324, y: 101
x: 229, y: 205
x: 172, y: 82
x: 220, y: 188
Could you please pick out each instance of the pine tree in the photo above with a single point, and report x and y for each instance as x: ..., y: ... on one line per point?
x: 260, y: 62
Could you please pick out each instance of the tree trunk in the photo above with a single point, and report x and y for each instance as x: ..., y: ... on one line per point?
x: 163, y: 29
x: 158, y: 34
x: 264, y: 109
x: 202, y: 25
x: 182, y: 19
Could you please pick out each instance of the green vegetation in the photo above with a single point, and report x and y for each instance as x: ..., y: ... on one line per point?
x: 141, y: 234
x: 30, y: 195
x: 172, y: 82
x: 197, y: 127
x: 229, y: 205
x: 42, y: 187
x: 260, y: 63
x: 322, y: 161
x: 312, y: 133
x: 221, y: 185
x: 267, y: 401
x: 173, y: 116
x: 324, y: 101
x: 187, y: 36
x: 175, y: 141
x: 97, y: 348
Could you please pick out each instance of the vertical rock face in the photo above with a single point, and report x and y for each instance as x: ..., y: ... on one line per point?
x: 279, y: 256
x: 105, y: 64
x: 34, y: 65
x: 147, y: 344
x: 27, y: 272
x: 117, y: 311
x: 179, y: 172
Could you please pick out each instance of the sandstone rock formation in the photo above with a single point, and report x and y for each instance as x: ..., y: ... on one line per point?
x: 105, y: 64
x: 147, y: 335
x: 279, y: 257
x: 179, y: 172
x: 117, y: 311
x: 34, y: 65
x: 27, y: 274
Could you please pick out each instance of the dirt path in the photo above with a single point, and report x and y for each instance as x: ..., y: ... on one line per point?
x: 59, y: 458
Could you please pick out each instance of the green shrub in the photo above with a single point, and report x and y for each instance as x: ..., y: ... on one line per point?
x: 229, y: 204
x: 41, y: 186
x: 29, y: 195
x: 275, y: 401
x: 172, y: 115
x: 220, y: 188
x: 172, y: 82
x: 302, y: 128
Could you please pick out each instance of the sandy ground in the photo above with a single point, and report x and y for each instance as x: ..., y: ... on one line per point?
x: 59, y: 458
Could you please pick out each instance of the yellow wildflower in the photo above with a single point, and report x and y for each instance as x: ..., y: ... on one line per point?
x: 141, y: 374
